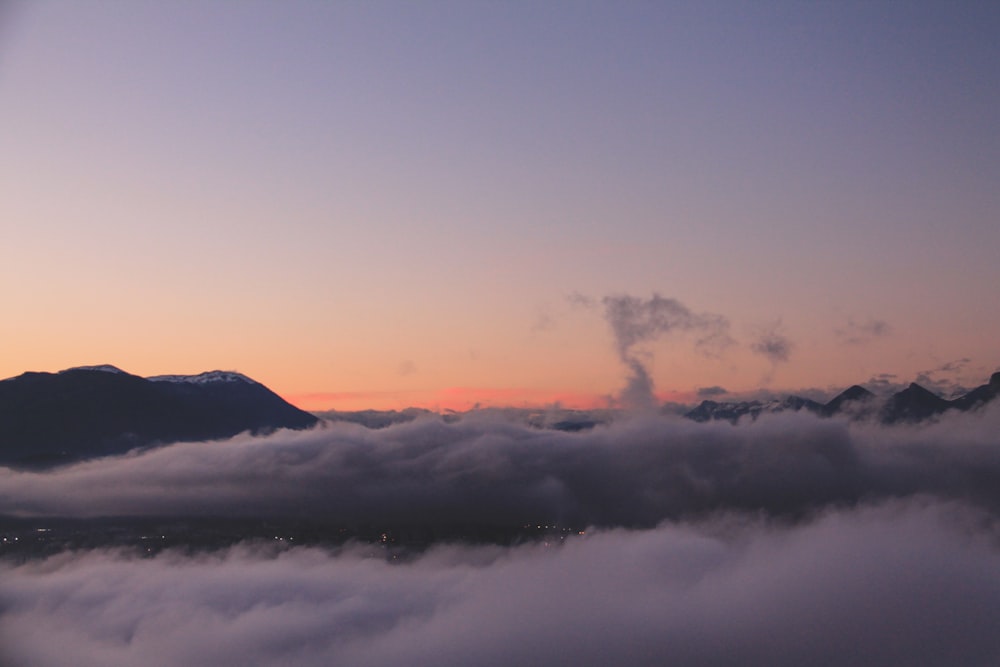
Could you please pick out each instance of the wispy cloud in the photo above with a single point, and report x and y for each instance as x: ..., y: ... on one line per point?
x: 945, y: 379
x: 858, y: 333
x: 580, y: 300
x: 949, y: 379
x: 772, y: 344
x: 635, y: 321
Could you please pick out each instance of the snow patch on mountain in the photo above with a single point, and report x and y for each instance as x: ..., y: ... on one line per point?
x: 104, y: 368
x: 210, y: 377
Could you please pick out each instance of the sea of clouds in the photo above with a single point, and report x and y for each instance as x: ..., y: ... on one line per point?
x: 790, y: 540
x: 634, y: 472
x: 901, y: 583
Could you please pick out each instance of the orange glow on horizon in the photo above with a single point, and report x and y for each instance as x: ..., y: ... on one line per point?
x: 460, y: 399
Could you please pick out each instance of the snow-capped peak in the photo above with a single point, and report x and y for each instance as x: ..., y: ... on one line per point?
x: 209, y: 377
x: 104, y: 368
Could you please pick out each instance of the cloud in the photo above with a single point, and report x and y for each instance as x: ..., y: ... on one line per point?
x: 913, y: 583
x: 949, y: 379
x: 956, y: 366
x: 710, y: 392
x: 635, y: 321
x: 406, y: 367
x: 543, y: 322
x: 858, y: 333
x: 638, y: 390
x: 487, y: 470
x: 772, y: 344
x: 578, y: 300
x: 946, y: 378
x: 786, y: 541
x: 884, y: 383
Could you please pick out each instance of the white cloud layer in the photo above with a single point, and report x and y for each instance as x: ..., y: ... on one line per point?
x: 904, y: 583
x: 791, y: 540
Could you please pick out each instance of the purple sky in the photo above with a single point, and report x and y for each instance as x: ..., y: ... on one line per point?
x: 387, y: 203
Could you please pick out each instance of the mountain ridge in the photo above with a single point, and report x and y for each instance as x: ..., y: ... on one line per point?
x: 85, y: 412
x: 913, y: 404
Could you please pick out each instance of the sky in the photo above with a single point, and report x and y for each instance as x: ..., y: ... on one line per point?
x: 384, y: 204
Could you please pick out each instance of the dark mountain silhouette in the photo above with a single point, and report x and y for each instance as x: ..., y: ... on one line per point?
x: 853, y: 398
x: 913, y: 404
x: 54, y: 418
x: 733, y: 411
x: 980, y: 395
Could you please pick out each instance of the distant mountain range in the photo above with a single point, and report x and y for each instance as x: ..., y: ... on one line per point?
x: 913, y: 404
x: 49, y: 419
x: 80, y: 413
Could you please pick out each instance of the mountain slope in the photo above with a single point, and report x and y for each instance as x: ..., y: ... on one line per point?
x: 854, y: 399
x: 913, y: 404
x: 732, y: 412
x: 86, y: 412
x: 980, y: 395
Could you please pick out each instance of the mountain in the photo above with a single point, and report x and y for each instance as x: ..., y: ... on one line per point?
x: 732, y: 412
x: 90, y: 411
x: 854, y: 399
x: 913, y: 404
x: 980, y: 395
